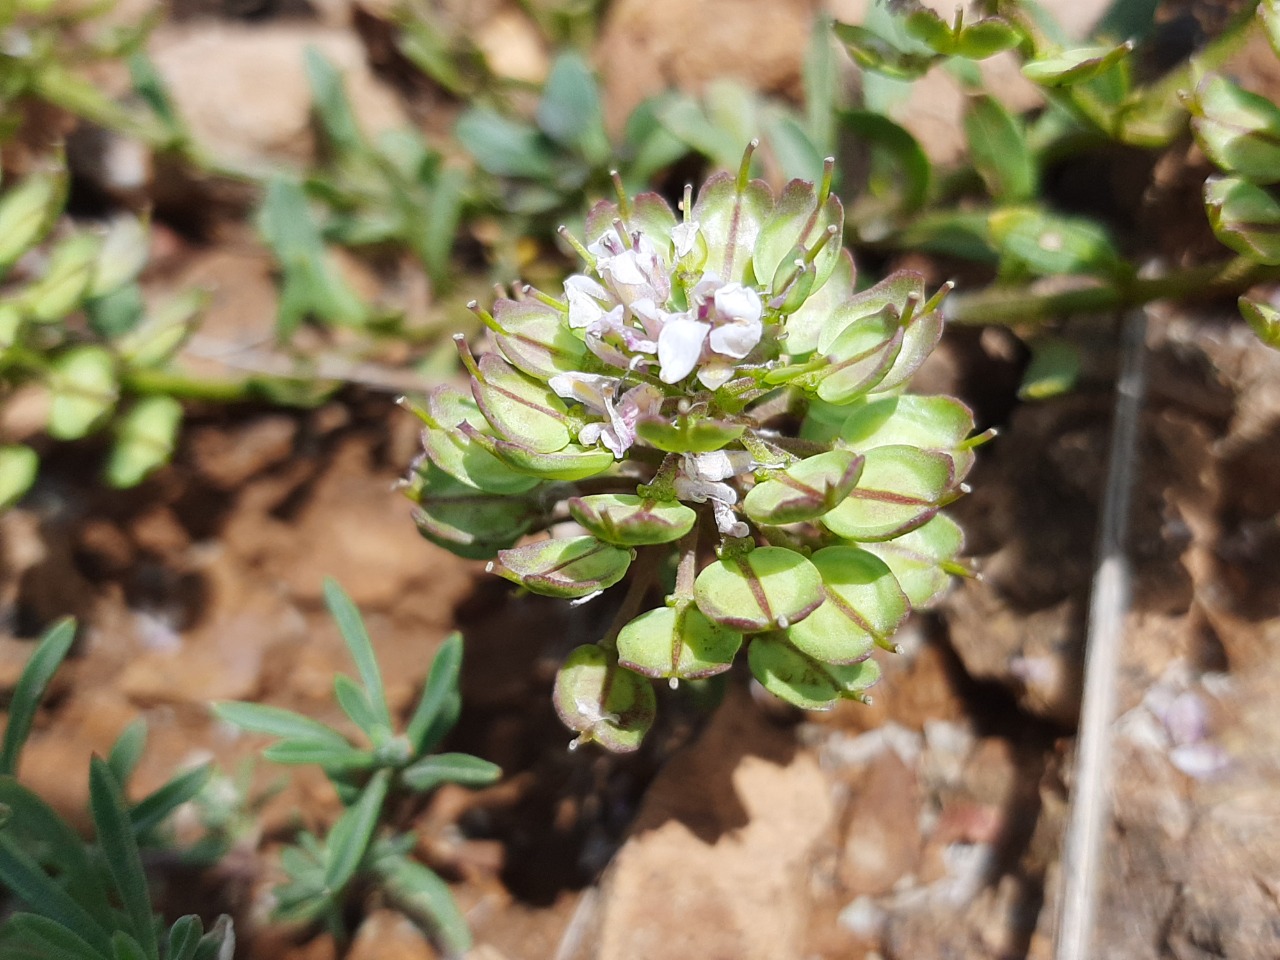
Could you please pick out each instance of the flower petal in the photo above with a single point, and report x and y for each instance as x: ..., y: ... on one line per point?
x: 679, y: 347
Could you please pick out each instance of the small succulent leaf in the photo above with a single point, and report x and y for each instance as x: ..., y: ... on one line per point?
x: 153, y: 809
x: 441, y: 768
x: 27, y: 211
x: 805, y: 490
x: 1053, y: 370
x: 1245, y: 217
x: 120, y: 851
x: 920, y: 558
x: 145, y: 438
x: 49, y: 653
x: 901, y: 487
x: 351, y: 626
x: 893, y: 291
x: 277, y: 722
x: 872, y: 52
x: 1048, y: 244
x: 803, y: 681
x: 861, y: 356
x: 536, y: 339
x: 570, y: 463
x: 677, y: 642
x: 632, y: 521
x: 864, y: 607
x: 1069, y: 67
x: 766, y: 588
x: 421, y: 895
x: 794, y: 226
x: 85, y: 388
x: 122, y: 256
x: 804, y: 326
x: 1263, y: 318
x: 922, y: 24
x: 438, y: 707
x: 730, y: 221
x: 927, y: 422
x: 604, y: 703
x: 998, y: 146
x: 985, y: 38
x: 688, y: 434
x: 349, y: 839
x: 66, y: 281
x: 565, y: 568
x: 1238, y: 130
x: 518, y: 407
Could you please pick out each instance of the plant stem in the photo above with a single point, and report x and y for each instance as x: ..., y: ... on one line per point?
x: 1011, y: 306
x: 148, y: 382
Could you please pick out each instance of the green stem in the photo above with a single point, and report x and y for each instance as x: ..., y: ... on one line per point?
x: 147, y: 382
x: 1011, y: 306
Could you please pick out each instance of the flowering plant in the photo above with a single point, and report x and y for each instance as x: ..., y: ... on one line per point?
x: 712, y: 403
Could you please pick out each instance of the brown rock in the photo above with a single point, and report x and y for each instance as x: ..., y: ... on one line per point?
x: 882, y: 838
x: 228, y: 455
x: 243, y: 89
x: 718, y: 863
x: 387, y: 935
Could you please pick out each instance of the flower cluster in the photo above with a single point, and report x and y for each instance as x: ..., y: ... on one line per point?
x: 709, y: 409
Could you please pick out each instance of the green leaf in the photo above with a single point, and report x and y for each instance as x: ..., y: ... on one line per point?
x: 806, y: 682
x: 632, y: 521
x: 1054, y: 368
x: 27, y: 211
x: 820, y: 82
x: 455, y: 454
x: 679, y: 643
x: 355, y: 704
x: 430, y: 772
x: 163, y: 331
x: 793, y: 227
x: 25, y: 879
x: 420, y: 894
x: 928, y: 422
x: 117, y: 313
x: 437, y: 709
x: 505, y: 147
x: 569, y: 111
x: 184, y: 936
x: 872, y: 52
x: 923, y: 560
x: 329, y: 100
x: 864, y: 606
x: 323, y: 753
x: 1049, y: 244
x: 349, y: 839
x: 604, y: 703
x: 277, y: 722
x: 1269, y: 14
x: 19, y: 465
x: 900, y: 172
x: 566, y: 568
x: 48, y: 656
x: 986, y: 37
x: 1245, y: 217
x: 999, y: 149
x: 353, y: 631
x: 65, y: 283
x: 127, y: 750
x: 536, y: 340
x: 156, y: 807
x: 151, y: 89
x: 1238, y: 130
x: 763, y: 589
x: 1263, y: 318
x: 83, y: 380
x: 1074, y: 66
x: 28, y: 936
x: 125, y: 947
x: 120, y: 850
x: 861, y: 356
x: 121, y: 257
x: 145, y: 438
x: 901, y: 487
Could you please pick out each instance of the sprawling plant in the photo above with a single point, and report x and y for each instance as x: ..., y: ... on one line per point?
x: 710, y: 405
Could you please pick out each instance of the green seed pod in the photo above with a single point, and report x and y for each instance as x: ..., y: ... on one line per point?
x: 85, y: 389
x: 803, y: 681
x: 145, y: 437
x: 632, y: 521
x: 805, y: 490
x: 564, y: 568
x: 766, y: 588
x: 26, y: 213
x: 678, y: 643
x: 901, y: 487
x: 864, y: 606
x: 603, y: 703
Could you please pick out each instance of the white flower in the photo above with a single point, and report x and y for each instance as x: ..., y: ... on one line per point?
x: 585, y: 301
x: 632, y: 272
x: 738, y: 328
x: 722, y: 496
x: 714, y: 374
x: 592, y: 390
x: 680, y: 346
x: 684, y: 236
x: 596, y: 392
x: 718, y: 465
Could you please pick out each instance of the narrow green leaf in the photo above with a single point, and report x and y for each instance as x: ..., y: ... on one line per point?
x: 351, y: 625
x: 30, y: 884
x: 569, y: 111
x: 323, y: 753
x: 329, y: 99
x: 438, y: 707
x: 44, y: 663
x: 504, y: 147
x: 420, y: 894
x: 120, y: 850
x: 125, y: 947
x: 349, y: 839
x: 153, y: 809
x: 29, y: 936
x: 999, y: 149
x: 277, y: 722
x: 355, y: 704
x: 32, y: 821
x: 184, y: 938
x: 127, y: 750
x: 430, y: 772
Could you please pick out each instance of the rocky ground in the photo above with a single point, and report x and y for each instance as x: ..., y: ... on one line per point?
x: 927, y: 825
